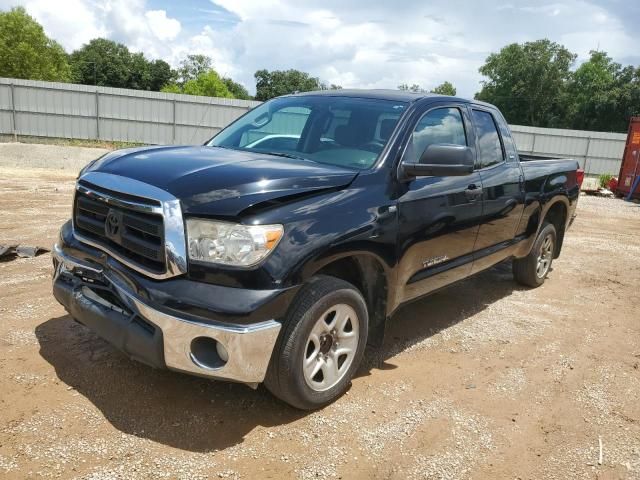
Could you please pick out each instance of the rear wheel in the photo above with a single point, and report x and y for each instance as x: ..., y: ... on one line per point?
x: 321, y: 345
x: 533, y: 269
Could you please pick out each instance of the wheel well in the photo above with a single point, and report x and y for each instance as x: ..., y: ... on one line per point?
x: 557, y: 215
x: 368, y: 276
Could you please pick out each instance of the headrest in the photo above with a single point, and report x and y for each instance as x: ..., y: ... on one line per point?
x: 344, y: 136
x: 386, y: 128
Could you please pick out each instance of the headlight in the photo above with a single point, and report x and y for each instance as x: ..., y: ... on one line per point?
x: 230, y: 243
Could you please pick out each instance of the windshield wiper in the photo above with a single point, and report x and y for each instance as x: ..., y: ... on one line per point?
x: 286, y: 155
x: 275, y: 154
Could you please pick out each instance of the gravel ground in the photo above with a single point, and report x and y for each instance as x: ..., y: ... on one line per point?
x: 53, y: 157
x: 483, y: 380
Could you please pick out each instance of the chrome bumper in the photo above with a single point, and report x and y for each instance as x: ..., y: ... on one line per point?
x: 249, y: 347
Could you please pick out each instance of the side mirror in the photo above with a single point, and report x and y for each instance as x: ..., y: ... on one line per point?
x: 442, y: 160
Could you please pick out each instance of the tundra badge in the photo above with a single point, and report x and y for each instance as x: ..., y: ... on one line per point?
x: 430, y: 262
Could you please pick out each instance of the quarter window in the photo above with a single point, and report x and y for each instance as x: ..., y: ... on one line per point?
x: 438, y: 126
x: 489, y: 145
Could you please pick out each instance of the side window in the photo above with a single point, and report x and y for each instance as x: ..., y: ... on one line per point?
x: 442, y: 125
x: 489, y: 145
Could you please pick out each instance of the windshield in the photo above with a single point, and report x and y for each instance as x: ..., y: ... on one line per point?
x: 343, y: 131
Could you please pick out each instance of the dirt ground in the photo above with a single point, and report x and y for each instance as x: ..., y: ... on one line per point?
x: 483, y: 380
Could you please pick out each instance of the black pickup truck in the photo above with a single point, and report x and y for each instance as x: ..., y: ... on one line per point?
x: 276, y: 251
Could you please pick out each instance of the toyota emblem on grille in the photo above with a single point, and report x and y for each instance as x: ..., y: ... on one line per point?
x: 112, y: 224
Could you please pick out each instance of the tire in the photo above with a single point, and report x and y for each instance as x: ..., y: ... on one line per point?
x: 533, y: 269
x: 327, y: 326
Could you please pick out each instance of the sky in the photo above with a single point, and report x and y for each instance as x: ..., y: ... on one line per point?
x: 353, y: 43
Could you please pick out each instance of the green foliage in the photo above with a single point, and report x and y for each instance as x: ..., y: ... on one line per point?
x: 161, y: 74
x: 110, y: 64
x: 445, y: 88
x: 207, y: 83
x: 196, y: 76
x: 26, y: 52
x: 533, y: 84
x: 236, y: 89
x: 270, y: 84
x: 171, y: 88
x: 102, y: 62
x: 192, y: 67
x: 139, y: 72
x: 604, y: 180
x: 528, y: 82
x: 600, y: 95
x: 415, y: 88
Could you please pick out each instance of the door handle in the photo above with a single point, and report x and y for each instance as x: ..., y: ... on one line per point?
x: 473, y: 192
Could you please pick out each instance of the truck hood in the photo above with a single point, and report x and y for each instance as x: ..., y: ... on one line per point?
x: 222, y: 182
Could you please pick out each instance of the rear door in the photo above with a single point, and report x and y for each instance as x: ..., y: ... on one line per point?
x: 502, y: 181
x: 438, y: 216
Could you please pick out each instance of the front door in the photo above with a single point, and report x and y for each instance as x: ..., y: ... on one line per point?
x: 438, y: 216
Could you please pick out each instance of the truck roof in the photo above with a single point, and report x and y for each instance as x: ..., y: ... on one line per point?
x: 382, y: 94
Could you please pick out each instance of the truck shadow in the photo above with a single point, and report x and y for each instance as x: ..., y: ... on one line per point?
x: 180, y: 411
x: 417, y: 321
x: 200, y: 415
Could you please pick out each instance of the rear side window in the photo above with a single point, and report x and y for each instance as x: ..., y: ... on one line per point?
x: 438, y: 126
x: 489, y: 145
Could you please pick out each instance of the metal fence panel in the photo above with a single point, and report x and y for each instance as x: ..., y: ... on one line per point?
x: 597, y: 152
x: 6, y: 122
x: 133, y: 108
x: 5, y: 97
x: 186, y: 135
x: 50, y: 109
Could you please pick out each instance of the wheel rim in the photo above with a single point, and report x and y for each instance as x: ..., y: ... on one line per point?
x: 545, y: 256
x: 331, y: 347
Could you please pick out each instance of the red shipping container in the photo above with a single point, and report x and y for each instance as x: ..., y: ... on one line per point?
x: 630, y: 168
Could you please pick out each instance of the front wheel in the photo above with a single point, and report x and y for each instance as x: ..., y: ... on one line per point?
x: 532, y: 270
x: 321, y: 345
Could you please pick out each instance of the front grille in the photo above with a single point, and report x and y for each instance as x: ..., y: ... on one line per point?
x: 135, y: 235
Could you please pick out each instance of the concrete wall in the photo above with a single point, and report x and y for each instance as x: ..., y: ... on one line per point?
x: 48, y: 109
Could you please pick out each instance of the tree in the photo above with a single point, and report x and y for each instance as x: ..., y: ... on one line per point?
x: 600, y: 95
x: 161, y: 74
x: 110, y: 64
x: 445, y: 88
x: 26, y: 52
x: 331, y: 86
x: 527, y: 82
x: 192, y: 67
x: 139, y: 72
x: 171, y: 88
x: 236, y: 89
x: 629, y: 79
x: 207, y: 84
x: 106, y: 63
x: 274, y: 83
x: 415, y: 88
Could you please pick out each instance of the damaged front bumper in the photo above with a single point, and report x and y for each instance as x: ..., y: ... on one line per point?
x: 102, y: 299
